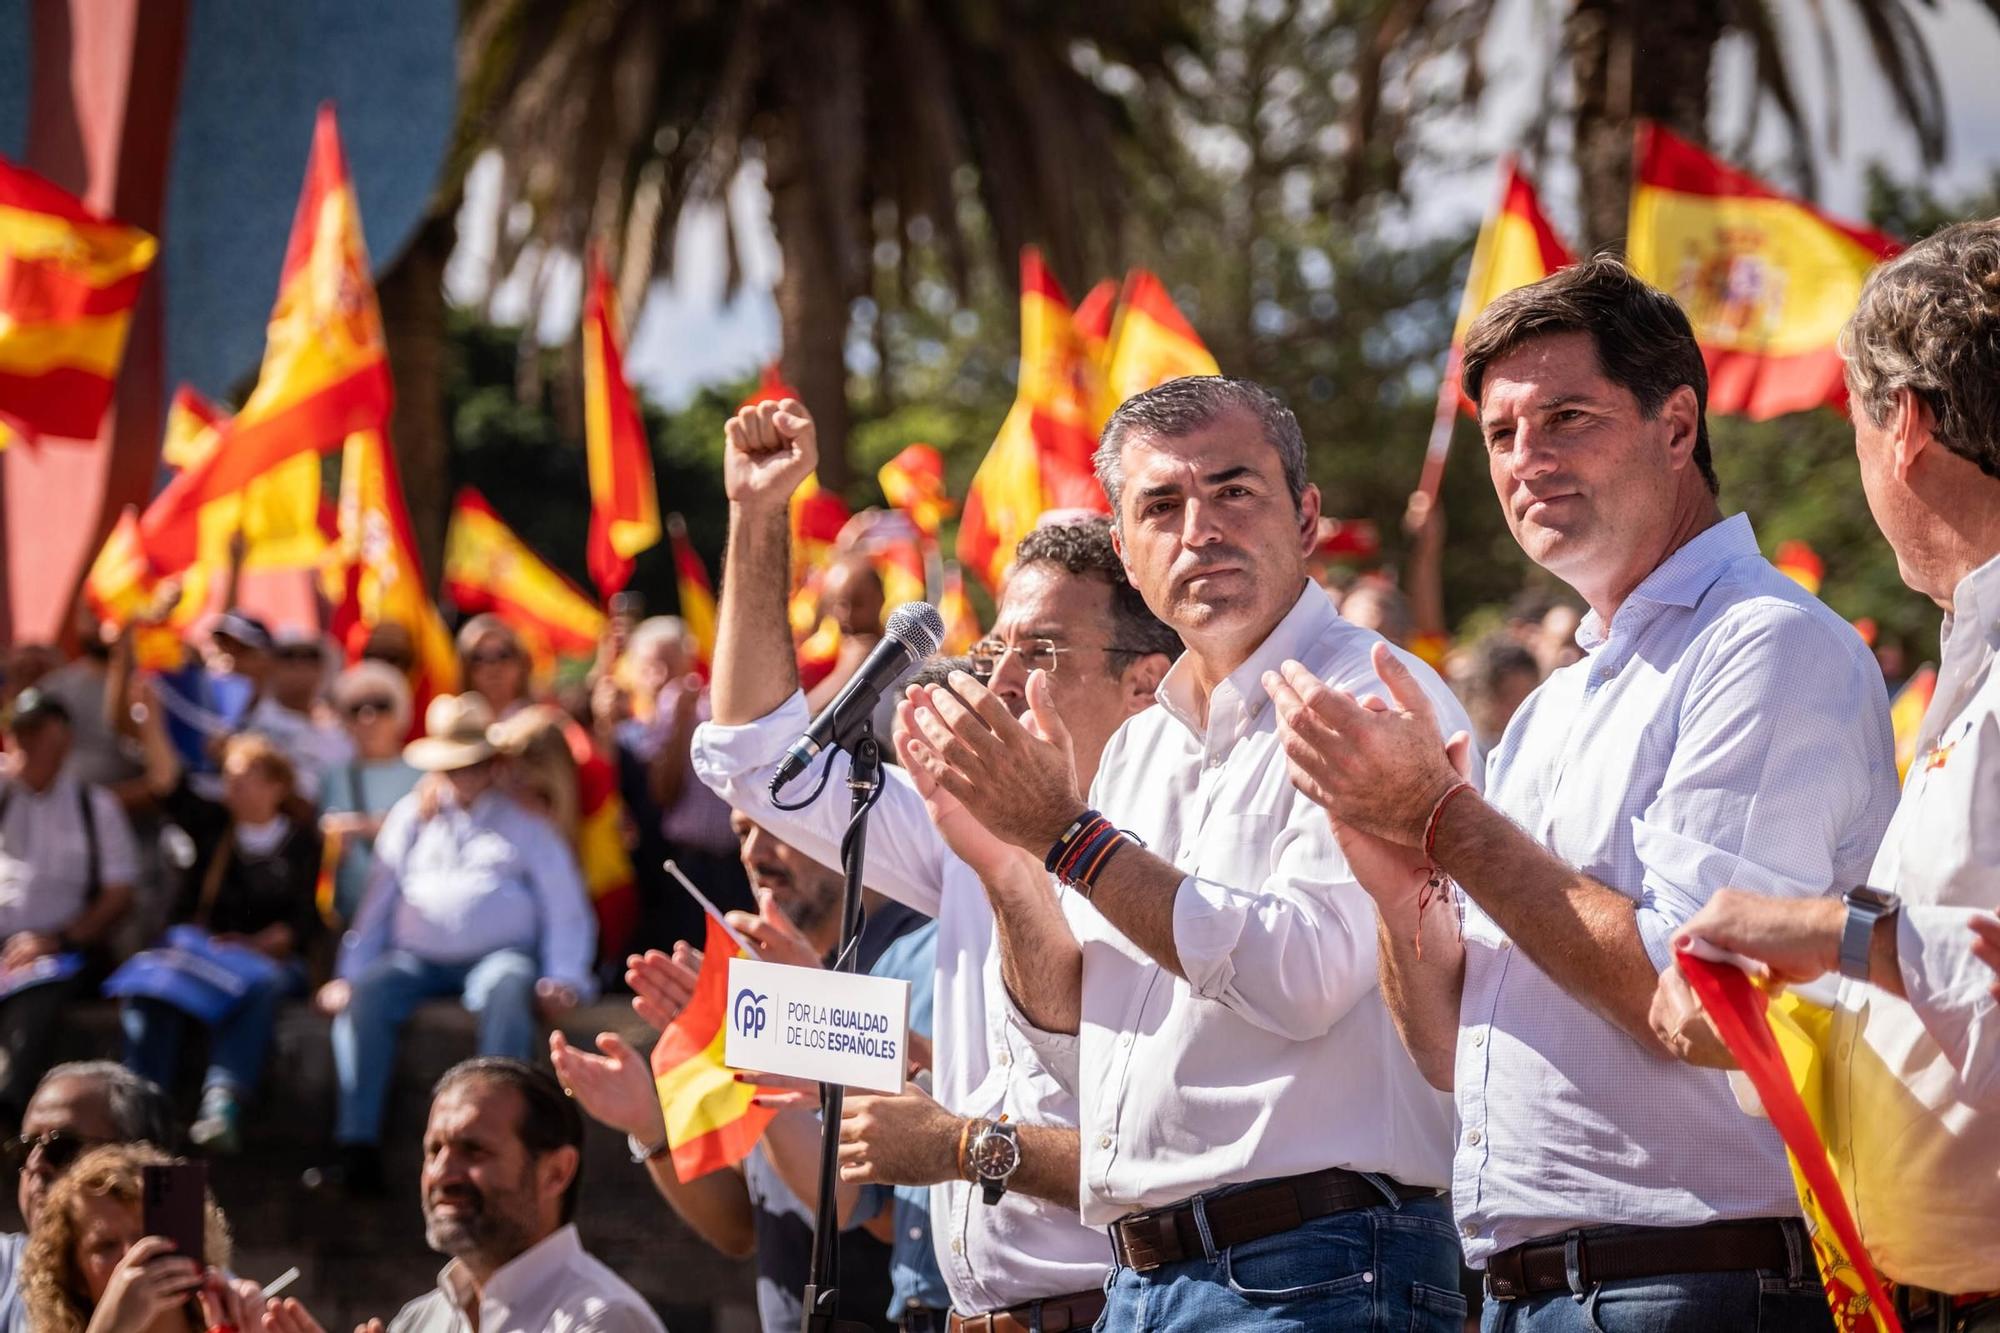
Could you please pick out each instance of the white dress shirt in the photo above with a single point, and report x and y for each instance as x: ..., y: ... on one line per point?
x: 44, y: 858
x: 992, y: 1255
x: 1276, y: 1056
x: 1920, y: 1159
x: 1727, y: 729
x: 466, y: 883
x: 552, y: 1287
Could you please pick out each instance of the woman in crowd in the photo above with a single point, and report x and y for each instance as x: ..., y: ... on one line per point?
x: 493, y: 664
x: 541, y: 774
x: 373, y: 700
x: 90, y: 1266
x: 252, y: 882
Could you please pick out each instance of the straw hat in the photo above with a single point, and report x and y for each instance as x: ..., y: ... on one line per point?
x: 455, y: 734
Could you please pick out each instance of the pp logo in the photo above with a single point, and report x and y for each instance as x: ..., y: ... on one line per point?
x: 749, y: 1012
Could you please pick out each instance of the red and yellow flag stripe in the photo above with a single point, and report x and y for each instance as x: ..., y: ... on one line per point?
x: 624, y: 499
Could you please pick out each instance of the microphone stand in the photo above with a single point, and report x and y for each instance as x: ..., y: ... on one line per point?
x: 822, y: 1295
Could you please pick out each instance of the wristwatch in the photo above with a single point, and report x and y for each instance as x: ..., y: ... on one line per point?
x: 1865, y: 907
x: 643, y: 1153
x: 992, y: 1156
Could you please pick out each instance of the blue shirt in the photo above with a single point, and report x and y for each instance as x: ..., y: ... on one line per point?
x: 366, y: 788
x: 916, y: 1283
x: 13, y: 1314
x: 1724, y: 729
x: 466, y: 883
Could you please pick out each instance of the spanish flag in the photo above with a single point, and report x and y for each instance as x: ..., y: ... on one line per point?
x: 961, y: 622
x: 378, y: 577
x: 326, y: 368
x: 1801, y: 564
x: 1906, y: 715
x: 1094, y: 316
x: 1517, y: 246
x: 1041, y: 458
x: 68, y: 281
x: 1151, y: 343
x: 711, y: 1120
x: 624, y: 501
x: 1783, y: 1044
x: 487, y: 567
x: 913, y: 481
x: 602, y: 858
x: 1766, y: 280
x: 120, y: 584
x: 697, y: 594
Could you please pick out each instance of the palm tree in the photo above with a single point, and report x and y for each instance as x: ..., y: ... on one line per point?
x: 969, y: 128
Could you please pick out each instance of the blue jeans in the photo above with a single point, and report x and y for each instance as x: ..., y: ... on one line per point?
x: 237, y: 1046
x: 499, y: 988
x: 1763, y: 1300
x: 1389, y: 1267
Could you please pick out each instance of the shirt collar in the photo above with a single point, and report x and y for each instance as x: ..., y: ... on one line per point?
x: 1310, y: 617
x: 1975, y: 605
x: 514, y: 1280
x: 1684, y: 577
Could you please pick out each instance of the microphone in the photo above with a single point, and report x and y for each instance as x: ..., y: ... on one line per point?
x: 913, y: 633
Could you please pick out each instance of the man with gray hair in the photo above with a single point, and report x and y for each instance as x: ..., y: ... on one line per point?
x: 76, y: 1107
x: 1915, y: 1080
x: 1201, y: 974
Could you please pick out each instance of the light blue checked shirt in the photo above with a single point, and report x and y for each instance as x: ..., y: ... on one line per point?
x: 1728, y: 729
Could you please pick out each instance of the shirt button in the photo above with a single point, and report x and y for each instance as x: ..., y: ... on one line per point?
x: 958, y: 1247
x: 1472, y: 1137
x: 1125, y: 1039
x: 1104, y: 1140
x: 916, y: 1233
x: 1005, y: 1058
x: 1470, y: 1231
x: 1478, y: 1040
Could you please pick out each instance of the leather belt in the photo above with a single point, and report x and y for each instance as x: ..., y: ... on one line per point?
x: 1059, y: 1314
x: 1145, y: 1241
x: 1717, y: 1247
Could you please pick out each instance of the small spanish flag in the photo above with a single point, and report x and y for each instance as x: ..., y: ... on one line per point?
x: 913, y: 481
x: 711, y: 1120
x: 1906, y: 715
x: 1766, y: 280
x: 624, y: 500
x: 68, y: 281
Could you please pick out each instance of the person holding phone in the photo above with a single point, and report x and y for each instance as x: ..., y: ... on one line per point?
x: 91, y: 1263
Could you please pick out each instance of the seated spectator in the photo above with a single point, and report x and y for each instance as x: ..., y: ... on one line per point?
x: 1492, y: 678
x: 76, y: 1107
x: 97, y: 753
x: 540, y: 771
x: 252, y: 883
x: 67, y: 865
x: 288, y: 711
x: 494, y: 665
x: 90, y: 1264
x: 373, y: 700
x: 473, y: 896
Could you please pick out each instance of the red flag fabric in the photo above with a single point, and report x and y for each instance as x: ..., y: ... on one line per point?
x: 624, y: 499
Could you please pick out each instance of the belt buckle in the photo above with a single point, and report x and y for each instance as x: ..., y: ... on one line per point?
x: 1499, y: 1288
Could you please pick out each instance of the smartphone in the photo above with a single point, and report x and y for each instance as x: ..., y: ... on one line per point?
x: 174, y: 1205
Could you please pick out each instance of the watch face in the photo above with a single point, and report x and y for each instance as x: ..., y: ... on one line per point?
x: 1871, y: 897
x: 995, y: 1155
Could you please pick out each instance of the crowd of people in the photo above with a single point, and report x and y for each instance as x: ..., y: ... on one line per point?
x: 1259, y: 976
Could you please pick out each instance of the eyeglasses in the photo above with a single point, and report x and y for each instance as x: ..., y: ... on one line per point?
x: 1036, y: 654
x: 59, y: 1148
x: 491, y: 657
x: 361, y: 708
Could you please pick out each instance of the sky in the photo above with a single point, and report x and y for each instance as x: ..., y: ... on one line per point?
x: 688, y: 334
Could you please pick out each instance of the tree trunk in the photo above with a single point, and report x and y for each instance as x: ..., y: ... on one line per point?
x: 1633, y: 60
x: 413, y: 317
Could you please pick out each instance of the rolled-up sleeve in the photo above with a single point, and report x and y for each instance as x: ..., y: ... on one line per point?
x: 906, y: 854
x: 1782, y: 779
x: 1951, y: 991
x: 1056, y: 1052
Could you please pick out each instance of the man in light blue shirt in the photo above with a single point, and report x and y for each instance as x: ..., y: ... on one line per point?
x: 471, y: 896
x: 1722, y: 728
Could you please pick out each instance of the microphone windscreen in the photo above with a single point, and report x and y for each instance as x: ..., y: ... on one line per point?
x: 918, y: 627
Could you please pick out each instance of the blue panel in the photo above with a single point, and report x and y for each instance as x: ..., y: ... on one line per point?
x: 254, y: 74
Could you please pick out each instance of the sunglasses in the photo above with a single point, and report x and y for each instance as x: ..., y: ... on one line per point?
x: 299, y: 653
x: 59, y: 1148
x: 361, y: 708
x: 492, y: 657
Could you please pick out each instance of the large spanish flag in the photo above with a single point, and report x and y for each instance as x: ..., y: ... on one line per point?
x: 1766, y: 280
x: 487, y: 567
x: 1517, y: 246
x: 379, y: 578
x: 1151, y: 343
x: 68, y: 280
x: 1040, y: 460
x: 624, y: 501
x: 711, y: 1120
x: 697, y: 594
x: 326, y: 370
x: 1784, y: 1044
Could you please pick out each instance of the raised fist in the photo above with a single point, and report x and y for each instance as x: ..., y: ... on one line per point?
x: 771, y: 448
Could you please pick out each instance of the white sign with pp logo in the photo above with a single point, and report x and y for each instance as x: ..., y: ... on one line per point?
x: 830, y: 1027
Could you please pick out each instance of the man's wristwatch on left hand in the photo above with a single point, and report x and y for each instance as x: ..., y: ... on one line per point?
x: 642, y: 1153
x: 1865, y: 907
x: 992, y: 1154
